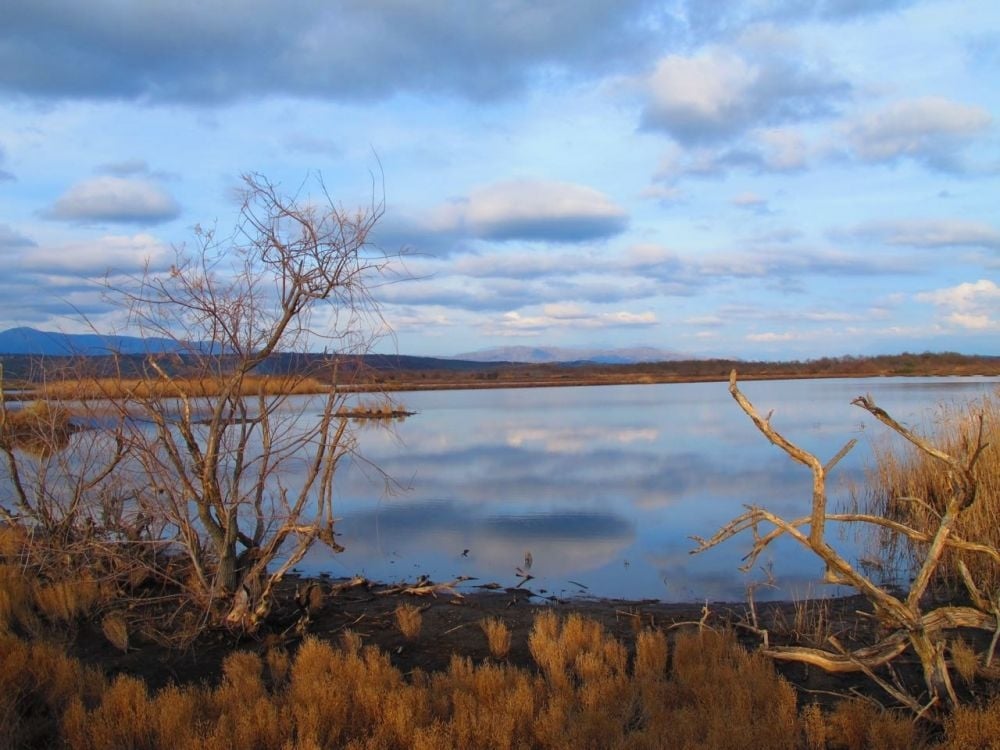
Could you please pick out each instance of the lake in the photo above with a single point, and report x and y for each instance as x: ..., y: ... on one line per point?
x: 604, y: 486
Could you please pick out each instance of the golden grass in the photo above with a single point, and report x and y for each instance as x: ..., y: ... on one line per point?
x: 965, y: 660
x: 409, y: 620
x: 497, y: 636
x: 910, y: 486
x: 115, y: 629
x: 704, y: 691
x: 101, y: 388
x: 38, y: 427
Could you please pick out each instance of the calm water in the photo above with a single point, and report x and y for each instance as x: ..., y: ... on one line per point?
x: 604, y: 486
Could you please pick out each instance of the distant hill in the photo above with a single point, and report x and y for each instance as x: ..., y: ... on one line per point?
x: 56, y: 344
x: 546, y: 354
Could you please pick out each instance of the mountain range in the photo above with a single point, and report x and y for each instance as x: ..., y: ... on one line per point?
x: 543, y: 354
x: 31, y: 341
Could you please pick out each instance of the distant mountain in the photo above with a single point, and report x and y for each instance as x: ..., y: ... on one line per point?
x: 543, y: 354
x: 52, y: 343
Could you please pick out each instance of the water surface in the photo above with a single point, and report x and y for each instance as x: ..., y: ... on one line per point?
x: 604, y: 486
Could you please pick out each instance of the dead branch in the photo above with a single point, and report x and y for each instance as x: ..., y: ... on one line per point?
x: 924, y: 633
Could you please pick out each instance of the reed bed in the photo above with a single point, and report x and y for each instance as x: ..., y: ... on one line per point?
x: 910, y: 486
x: 117, y: 388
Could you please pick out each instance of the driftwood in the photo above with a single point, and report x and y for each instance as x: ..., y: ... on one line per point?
x: 424, y: 587
x: 908, y: 626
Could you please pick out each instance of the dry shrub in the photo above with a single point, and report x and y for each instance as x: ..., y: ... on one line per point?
x: 15, y: 601
x: 973, y: 727
x: 115, y: 629
x: 14, y: 539
x: 124, y: 718
x: 38, y: 682
x: 964, y: 660
x: 497, y: 636
x: 814, y: 727
x: 711, y: 670
x: 586, y: 673
x: 246, y: 715
x: 858, y: 725
x: 180, y: 716
x: 278, y: 665
x: 409, y: 620
x: 490, y: 706
x: 65, y: 601
x: 715, y: 695
x: 650, y: 655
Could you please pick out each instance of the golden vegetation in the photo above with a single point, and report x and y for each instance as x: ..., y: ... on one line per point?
x: 409, y: 620
x: 38, y: 428
x: 704, y: 691
x: 908, y: 485
x: 152, y: 388
x: 497, y: 636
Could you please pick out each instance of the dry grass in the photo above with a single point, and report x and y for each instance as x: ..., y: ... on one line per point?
x: 409, y: 620
x: 115, y: 629
x: 497, y: 636
x: 910, y: 486
x: 65, y: 601
x: 965, y: 660
x: 101, y: 388
x: 37, y: 428
x: 703, y: 691
x: 974, y: 727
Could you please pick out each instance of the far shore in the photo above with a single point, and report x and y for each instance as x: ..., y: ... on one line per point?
x: 88, y: 378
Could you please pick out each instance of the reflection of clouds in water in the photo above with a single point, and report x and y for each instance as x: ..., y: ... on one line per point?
x: 652, y: 464
x: 435, y: 534
x: 581, y: 440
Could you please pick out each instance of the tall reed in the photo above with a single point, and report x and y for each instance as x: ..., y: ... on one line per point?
x: 908, y: 485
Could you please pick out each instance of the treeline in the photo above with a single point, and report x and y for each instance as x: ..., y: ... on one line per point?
x: 398, y: 372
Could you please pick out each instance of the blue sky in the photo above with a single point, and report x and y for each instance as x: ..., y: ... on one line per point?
x: 762, y: 179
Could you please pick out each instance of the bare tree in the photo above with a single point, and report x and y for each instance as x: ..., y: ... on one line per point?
x: 908, y: 622
x: 242, y: 477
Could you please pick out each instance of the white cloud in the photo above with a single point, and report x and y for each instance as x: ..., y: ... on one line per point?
x: 707, y: 91
x: 764, y: 78
x: 929, y: 233
x: 770, y: 337
x: 782, y: 149
x: 115, y: 254
x: 972, y: 305
x: 534, y: 210
x: 564, y: 316
x: 115, y: 199
x: 931, y: 129
x: 750, y: 201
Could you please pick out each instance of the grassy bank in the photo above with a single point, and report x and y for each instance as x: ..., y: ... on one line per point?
x: 694, y: 689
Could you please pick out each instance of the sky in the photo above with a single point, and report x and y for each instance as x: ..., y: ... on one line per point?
x: 764, y: 179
